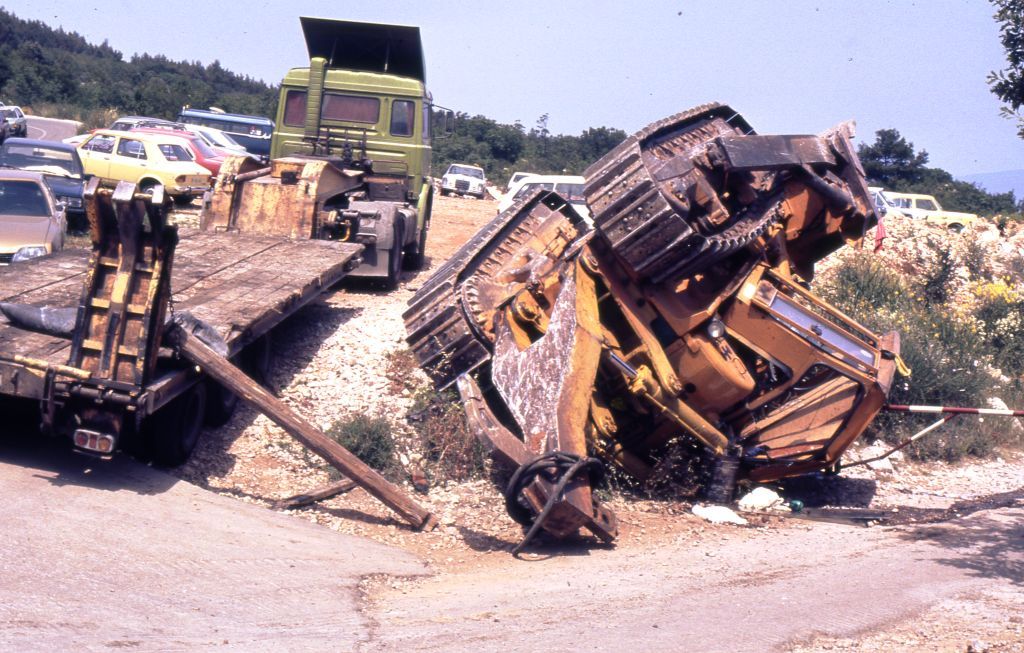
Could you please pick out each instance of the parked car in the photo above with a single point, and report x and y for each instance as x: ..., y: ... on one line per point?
x: 31, y: 219
x: 515, y: 178
x: 570, y: 187
x: 218, y: 139
x: 927, y: 208
x: 202, y: 153
x: 60, y: 166
x: 16, y: 120
x: 146, y: 160
x: 462, y: 179
x: 125, y: 123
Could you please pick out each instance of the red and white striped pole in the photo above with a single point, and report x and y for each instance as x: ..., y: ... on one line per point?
x: 954, y: 410
x: 947, y: 412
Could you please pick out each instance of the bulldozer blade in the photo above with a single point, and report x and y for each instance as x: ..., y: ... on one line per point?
x: 547, y: 387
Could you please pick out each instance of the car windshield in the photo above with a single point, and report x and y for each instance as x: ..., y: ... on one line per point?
x: 22, y: 197
x: 467, y: 171
x: 173, y: 152
x: 41, y: 159
x: 201, y: 147
x: 220, y: 138
x: 528, y: 188
x: 571, y: 192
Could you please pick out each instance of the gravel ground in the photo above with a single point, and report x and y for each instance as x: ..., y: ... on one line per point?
x: 331, y: 361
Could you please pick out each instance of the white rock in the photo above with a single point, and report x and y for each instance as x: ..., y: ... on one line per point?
x: 718, y: 514
x: 760, y: 499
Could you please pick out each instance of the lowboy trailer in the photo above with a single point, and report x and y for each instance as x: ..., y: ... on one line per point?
x: 240, y: 285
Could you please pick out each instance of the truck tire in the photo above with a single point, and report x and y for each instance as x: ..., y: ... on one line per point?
x: 174, y: 430
x: 395, y: 258
x: 417, y: 258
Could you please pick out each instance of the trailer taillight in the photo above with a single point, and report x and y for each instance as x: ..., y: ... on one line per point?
x: 94, y: 441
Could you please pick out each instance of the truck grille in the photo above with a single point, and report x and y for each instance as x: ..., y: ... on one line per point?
x: 461, y: 184
x: 6, y: 258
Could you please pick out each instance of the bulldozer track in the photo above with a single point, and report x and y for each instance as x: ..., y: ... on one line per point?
x: 444, y: 318
x: 646, y: 225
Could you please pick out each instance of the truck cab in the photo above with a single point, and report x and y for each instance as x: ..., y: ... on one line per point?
x: 363, y: 95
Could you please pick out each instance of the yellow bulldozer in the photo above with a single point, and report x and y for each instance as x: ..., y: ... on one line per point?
x: 680, y: 314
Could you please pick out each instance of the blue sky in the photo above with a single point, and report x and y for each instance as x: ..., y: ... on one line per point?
x: 790, y: 67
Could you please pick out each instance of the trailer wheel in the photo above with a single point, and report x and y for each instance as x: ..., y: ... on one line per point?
x: 220, y: 404
x: 257, y: 359
x: 395, y: 258
x: 174, y: 432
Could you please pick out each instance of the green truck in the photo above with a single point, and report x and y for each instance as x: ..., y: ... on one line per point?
x: 350, y: 157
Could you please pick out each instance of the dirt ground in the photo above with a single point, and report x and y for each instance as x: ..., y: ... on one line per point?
x: 331, y: 361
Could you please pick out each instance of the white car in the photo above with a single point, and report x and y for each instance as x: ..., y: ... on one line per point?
x: 462, y: 179
x: 570, y: 187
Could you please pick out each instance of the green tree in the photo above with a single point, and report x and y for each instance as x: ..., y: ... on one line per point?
x: 891, y: 160
x: 1008, y: 84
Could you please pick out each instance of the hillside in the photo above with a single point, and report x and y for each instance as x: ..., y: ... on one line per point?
x: 40, y: 65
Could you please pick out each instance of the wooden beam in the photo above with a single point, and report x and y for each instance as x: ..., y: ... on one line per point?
x: 284, y: 416
x: 313, y: 496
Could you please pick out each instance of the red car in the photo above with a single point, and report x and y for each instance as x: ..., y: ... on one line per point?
x: 203, y: 154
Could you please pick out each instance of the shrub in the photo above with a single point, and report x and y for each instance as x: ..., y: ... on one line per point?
x: 369, y: 439
x: 449, y: 449
x: 950, y: 359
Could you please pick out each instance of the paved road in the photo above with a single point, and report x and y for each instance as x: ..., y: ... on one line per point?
x: 50, y: 129
x: 99, y: 556
x: 741, y: 593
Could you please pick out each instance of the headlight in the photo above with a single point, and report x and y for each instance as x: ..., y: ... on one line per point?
x: 445, y: 181
x: 71, y: 202
x: 25, y: 253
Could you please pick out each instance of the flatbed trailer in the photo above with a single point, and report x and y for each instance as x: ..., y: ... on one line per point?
x: 240, y: 285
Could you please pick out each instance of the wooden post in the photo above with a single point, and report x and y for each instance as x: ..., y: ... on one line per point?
x: 255, y: 395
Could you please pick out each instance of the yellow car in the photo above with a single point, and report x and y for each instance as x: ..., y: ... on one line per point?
x: 31, y: 219
x: 927, y: 208
x: 146, y: 160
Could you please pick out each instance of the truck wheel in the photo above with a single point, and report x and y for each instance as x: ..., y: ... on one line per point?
x: 395, y: 258
x: 417, y: 258
x: 175, y: 429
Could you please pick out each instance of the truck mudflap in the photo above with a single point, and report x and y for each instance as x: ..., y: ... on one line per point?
x: 682, y: 316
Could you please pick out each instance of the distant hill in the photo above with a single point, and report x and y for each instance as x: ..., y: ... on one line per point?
x: 1000, y: 182
x: 40, y: 65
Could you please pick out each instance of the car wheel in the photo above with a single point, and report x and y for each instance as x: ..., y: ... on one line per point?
x: 956, y: 228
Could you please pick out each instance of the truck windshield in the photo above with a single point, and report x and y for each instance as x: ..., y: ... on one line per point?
x: 466, y: 170
x: 22, y: 198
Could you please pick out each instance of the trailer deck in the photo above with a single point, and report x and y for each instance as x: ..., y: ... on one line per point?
x: 242, y: 285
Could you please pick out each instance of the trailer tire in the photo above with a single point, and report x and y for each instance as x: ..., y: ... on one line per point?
x: 175, y: 431
x: 220, y: 404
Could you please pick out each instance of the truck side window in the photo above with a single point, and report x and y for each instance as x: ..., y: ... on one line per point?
x: 295, y: 108
x: 403, y: 113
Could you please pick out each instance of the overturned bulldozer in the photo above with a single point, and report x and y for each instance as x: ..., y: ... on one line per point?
x: 681, y: 312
